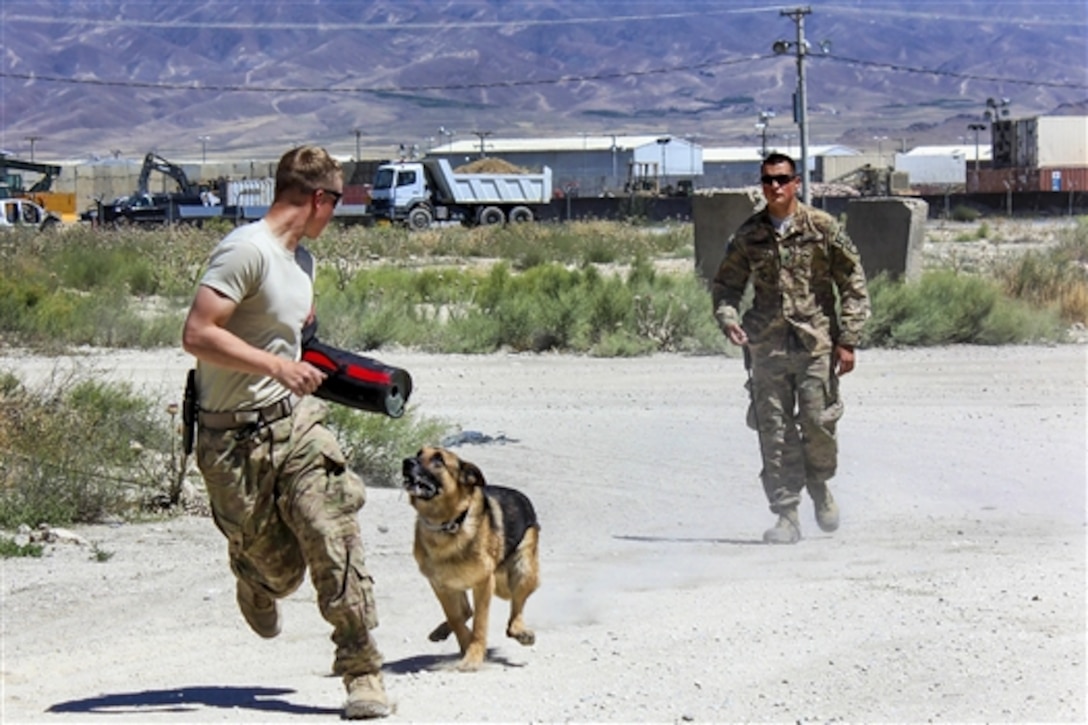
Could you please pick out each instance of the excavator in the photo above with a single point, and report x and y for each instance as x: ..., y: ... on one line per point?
x: 62, y: 204
x: 144, y: 207
x: 154, y: 162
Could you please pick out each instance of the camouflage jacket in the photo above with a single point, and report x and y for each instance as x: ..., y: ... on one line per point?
x: 796, y: 277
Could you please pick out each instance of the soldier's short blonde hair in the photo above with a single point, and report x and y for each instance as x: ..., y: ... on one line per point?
x: 305, y: 169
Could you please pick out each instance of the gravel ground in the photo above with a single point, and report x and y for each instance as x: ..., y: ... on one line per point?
x: 954, y: 591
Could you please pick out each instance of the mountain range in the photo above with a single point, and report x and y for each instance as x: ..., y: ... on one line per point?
x: 84, y: 78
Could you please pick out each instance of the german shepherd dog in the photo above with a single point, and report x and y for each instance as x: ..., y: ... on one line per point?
x: 472, y: 536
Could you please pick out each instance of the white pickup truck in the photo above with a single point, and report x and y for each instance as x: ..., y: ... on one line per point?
x: 421, y: 192
x: 18, y: 213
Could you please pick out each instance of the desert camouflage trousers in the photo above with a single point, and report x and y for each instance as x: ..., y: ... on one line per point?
x: 285, y: 499
x: 795, y: 406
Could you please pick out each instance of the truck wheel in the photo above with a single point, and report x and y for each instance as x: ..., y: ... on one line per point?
x: 490, y: 215
x: 420, y: 218
x: 521, y: 215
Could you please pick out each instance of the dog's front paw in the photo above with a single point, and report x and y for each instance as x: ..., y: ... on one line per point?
x: 441, y: 632
x: 524, y: 636
x: 470, y: 664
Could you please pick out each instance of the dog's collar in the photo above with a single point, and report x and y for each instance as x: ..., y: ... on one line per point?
x: 449, y: 527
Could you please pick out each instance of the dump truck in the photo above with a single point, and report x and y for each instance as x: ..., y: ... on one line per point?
x: 419, y: 193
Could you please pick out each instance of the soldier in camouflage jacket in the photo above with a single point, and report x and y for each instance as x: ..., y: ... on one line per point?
x: 809, y: 305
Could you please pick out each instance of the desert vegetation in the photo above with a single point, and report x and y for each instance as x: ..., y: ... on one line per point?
x: 81, y: 450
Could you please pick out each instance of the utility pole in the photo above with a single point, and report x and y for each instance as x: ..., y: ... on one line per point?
x: 482, y: 135
x: 880, y: 149
x: 663, y: 142
x: 33, y: 140
x: 358, y: 147
x: 204, y: 148
x: 800, y: 105
x: 761, y: 126
x: 976, y: 127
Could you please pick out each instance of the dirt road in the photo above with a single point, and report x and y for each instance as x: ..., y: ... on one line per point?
x: 954, y: 591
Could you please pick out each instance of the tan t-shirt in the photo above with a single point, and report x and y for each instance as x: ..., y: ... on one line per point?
x: 274, y: 295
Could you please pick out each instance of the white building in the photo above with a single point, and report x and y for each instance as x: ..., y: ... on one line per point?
x: 942, y: 165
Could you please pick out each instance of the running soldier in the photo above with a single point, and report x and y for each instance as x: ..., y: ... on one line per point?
x: 279, y: 487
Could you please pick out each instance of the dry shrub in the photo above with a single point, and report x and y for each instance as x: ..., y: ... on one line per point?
x: 1056, y: 278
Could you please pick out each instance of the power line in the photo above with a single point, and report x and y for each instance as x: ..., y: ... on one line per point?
x: 951, y: 74
x: 357, y: 27
x: 1046, y: 17
x: 604, y: 76
x: 611, y: 75
x: 940, y: 13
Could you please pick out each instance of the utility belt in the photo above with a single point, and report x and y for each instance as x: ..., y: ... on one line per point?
x: 230, y: 419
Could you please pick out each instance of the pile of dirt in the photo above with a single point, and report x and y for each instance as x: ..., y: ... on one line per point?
x: 490, y: 165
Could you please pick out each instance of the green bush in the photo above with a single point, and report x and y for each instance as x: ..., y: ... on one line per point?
x: 522, y: 245
x: 9, y: 549
x: 545, y: 307
x: 82, y: 451
x: 945, y: 308
x: 131, y: 288
x: 78, y: 452
x: 963, y: 213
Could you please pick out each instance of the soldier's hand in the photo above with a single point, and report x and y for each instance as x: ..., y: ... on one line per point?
x: 844, y: 359
x: 301, y: 378
x: 736, y: 335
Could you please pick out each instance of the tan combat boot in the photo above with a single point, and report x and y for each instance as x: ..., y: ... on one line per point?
x: 259, y: 610
x: 786, y: 531
x: 827, y: 511
x: 366, y: 697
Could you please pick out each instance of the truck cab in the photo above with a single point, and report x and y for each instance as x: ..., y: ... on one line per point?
x: 398, y: 188
x: 18, y: 213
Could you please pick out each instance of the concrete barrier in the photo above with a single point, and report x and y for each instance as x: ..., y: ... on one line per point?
x: 889, y: 233
x: 716, y: 217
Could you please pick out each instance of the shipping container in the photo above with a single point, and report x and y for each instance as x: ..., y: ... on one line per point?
x: 1063, y: 179
x: 1048, y: 179
x: 1043, y: 141
x: 1007, y: 179
x: 936, y: 169
x: 249, y: 192
x: 1063, y: 142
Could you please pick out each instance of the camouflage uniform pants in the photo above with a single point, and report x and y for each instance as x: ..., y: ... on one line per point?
x: 285, y: 500
x: 795, y: 407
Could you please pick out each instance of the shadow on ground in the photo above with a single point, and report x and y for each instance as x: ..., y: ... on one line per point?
x: 185, y: 699
x: 425, y: 663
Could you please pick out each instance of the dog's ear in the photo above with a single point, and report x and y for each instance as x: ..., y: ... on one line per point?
x: 471, y: 475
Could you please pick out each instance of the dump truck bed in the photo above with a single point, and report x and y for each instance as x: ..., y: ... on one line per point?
x: 489, y: 188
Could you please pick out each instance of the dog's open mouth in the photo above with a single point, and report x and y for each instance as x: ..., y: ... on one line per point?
x: 417, y: 481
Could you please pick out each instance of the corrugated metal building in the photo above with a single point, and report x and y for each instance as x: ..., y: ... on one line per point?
x: 589, y: 165
x: 738, y: 167
x: 942, y: 165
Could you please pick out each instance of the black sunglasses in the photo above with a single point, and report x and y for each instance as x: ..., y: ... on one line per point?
x: 336, y: 195
x: 780, y: 179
